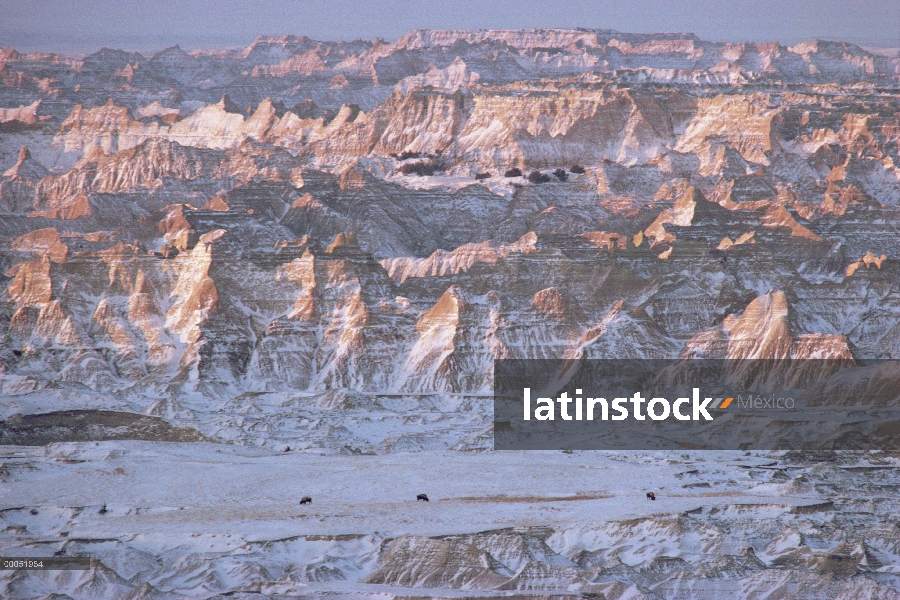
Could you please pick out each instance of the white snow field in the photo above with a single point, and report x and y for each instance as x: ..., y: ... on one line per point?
x: 199, y: 520
x: 228, y: 282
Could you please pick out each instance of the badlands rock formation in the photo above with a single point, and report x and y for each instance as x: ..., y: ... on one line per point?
x: 316, y: 246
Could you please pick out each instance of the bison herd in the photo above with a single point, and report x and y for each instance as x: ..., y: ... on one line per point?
x: 308, y: 500
x: 424, y: 497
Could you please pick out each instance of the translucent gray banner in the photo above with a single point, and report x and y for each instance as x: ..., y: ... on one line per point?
x: 811, y: 404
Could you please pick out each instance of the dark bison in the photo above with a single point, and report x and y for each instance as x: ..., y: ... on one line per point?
x: 422, y: 497
x: 480, y: 176
x: 305, y: 500
x: 651, y: 495
x: 538, y: 177
x: 514, y: 172
x: 102, y: 511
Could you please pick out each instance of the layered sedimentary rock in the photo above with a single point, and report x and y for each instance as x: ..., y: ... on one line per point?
x: 443, y: 201
x: 324, y: 246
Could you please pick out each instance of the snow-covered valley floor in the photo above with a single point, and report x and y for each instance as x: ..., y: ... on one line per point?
x: 202, y: 519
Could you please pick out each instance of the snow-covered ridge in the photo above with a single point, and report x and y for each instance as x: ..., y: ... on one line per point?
x: 300, y: 260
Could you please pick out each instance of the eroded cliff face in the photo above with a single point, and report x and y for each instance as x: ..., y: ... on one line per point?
x: 237, y: 244
x: 315, y: 246
x: 477, y: 131
x: 19, y: 183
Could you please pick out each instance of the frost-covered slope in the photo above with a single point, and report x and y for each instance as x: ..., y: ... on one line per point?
x: 323, y: 247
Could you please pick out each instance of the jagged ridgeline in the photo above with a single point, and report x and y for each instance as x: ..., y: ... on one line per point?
x: 316, y: 251
x: 305, y: 216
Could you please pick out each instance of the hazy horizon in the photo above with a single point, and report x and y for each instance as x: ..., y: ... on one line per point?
x: 82, y: 27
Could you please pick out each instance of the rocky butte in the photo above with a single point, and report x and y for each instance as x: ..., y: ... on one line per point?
x: 323, y: 246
